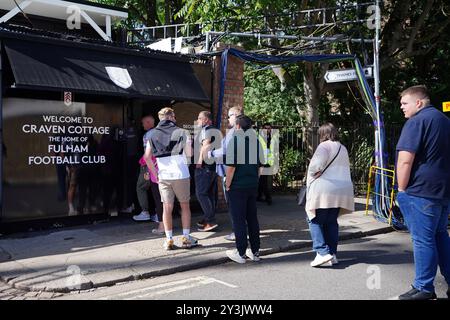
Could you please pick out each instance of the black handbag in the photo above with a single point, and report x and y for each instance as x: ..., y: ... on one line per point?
x: 301, y: 195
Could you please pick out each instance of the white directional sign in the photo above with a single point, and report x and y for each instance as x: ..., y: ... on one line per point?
x: 346, y: 75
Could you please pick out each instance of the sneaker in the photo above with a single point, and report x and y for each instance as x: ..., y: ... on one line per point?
x: 169, y: 245
x: 235, y: 256
x: 188, y: 242
x: 415, y: 294
x: 208, y: 227
x: 157, y: 231
x: 114, y: 213
x: 73, y: 212
x: 333, y: 261
x: 143, y: 216
x: 154, y: 218
x: 230, y: 237
x: 320, y: 260
x: 130, y: 209
x: 252, y: 256
x: 201, y: 223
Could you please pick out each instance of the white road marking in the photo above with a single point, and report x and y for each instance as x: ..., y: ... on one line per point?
x: 178, y: 285
x: 224, y: 283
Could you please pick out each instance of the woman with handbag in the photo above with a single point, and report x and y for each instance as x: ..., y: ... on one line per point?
x: 330, y: 192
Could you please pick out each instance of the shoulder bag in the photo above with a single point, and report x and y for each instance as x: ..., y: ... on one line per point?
x: 301, y: 196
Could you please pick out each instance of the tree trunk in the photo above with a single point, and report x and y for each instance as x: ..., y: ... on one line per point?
x: 152, y: 17
x: 313, y: 90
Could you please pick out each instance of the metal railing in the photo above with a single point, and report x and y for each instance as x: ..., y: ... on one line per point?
x: 296, y: 20
x: 357, y: 138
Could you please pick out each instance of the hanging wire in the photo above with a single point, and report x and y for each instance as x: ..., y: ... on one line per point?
x: 24, y: 14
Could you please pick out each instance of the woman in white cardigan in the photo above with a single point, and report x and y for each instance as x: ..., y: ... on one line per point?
x: 330, y: 193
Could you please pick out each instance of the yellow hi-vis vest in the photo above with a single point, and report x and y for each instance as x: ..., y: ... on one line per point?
x: 269, y: 157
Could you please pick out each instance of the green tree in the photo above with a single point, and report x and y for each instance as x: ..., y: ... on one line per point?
x: 148, y: 13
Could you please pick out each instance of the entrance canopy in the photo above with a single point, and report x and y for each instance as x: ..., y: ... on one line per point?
x: 99, y: 71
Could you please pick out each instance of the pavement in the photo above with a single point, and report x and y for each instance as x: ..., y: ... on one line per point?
x: 93, y: 256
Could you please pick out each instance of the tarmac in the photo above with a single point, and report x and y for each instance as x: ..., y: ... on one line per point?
x: 121, y: 250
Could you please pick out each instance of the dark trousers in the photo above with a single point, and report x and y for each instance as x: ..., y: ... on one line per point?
x: 265, y: 187
x: 206, y: 190
x: 88, y: 187
x: 242, y: 205
x: 157, y: 198
x: 112, y: 184
x: 62, y: 189
x: 142, y: 186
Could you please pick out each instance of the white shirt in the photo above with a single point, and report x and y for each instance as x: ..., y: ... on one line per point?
x: 173, y: 167
x: 218, y: 154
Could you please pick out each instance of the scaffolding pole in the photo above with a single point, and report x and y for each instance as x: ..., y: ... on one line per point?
x: 278, y: 36
x: 379, y: 123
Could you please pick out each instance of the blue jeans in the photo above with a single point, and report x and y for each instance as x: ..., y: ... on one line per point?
x: 242, y: 205
x: 205, y: 190
x: 324, y: 231
x: 427, y: 220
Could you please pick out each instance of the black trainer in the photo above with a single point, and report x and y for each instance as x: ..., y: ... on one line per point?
x: 415, y: 294
x: 201, y: 223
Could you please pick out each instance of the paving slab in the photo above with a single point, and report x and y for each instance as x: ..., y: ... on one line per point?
x: 94, y: 256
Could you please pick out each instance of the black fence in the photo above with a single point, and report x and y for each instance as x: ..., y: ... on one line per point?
x: 359, y: 139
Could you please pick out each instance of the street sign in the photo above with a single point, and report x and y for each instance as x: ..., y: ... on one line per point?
x: 446, y: 106
x: 346, y: 74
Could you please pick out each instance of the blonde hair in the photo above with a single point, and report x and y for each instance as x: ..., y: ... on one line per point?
x: 166, y: 113
x: 236, y: 110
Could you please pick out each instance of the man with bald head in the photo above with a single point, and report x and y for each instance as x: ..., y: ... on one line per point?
x: 143, y: 183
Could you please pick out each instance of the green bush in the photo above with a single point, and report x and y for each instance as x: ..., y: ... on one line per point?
x: 292, y: 164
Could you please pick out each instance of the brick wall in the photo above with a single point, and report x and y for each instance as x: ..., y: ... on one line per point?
x: 233, y: 96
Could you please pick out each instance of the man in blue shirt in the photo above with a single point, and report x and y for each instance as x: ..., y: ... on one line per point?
x: 423, y: 176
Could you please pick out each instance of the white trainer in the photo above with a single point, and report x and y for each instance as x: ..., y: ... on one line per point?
x: 320, y: 260
x: 230, y: 237
x: 235, y: 256
x: 143, y: 216
x: 333, y: 261
x: 130, y: 209
x: 154, y: 218
x: 252, y: 256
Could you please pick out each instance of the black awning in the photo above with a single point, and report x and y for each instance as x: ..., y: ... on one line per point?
x: 43, y: 66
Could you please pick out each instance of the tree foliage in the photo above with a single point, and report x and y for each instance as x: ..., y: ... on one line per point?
x: 147, y: 12
x: 414, y: 49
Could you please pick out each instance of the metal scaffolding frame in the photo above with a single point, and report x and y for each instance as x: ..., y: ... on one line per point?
x: 329, y: 16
